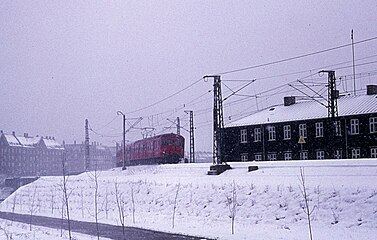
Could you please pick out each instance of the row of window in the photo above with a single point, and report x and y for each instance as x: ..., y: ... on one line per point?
x: 29, y: 151
x: 320, y: 154
x: 302, y: 129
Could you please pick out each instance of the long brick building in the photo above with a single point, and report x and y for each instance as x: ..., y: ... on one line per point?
x: 30, y: 156
x: 303, y: 130
x: 25, y: 155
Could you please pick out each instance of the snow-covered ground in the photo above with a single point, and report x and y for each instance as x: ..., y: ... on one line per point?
x: 20, y: 231
x: 269, y: 201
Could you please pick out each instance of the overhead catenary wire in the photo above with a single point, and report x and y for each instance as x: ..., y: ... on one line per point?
x: 260, y: 94
x: 166, y: 98
x: 262, y: 78
x: 295, y: 57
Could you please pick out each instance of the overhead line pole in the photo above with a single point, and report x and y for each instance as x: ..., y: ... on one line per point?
x: 333, y: 94
x: 192, y: 142
x: 353, y: 64
x: 218, y: 122
x: 124, y: 138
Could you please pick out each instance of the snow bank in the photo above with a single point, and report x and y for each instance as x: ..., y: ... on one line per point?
x: 269, y: 200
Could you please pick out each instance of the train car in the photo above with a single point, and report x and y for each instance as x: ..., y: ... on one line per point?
x: 160, y: 149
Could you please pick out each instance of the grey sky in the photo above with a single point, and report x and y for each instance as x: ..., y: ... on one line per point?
x: 64, y: 61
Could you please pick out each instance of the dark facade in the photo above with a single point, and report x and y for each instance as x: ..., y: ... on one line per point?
x: 350, y: 135
x: 30, y: 156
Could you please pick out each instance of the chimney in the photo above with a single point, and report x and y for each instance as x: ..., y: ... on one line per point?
x: 74, y: 142
x: 25, y: 135
x: 13, y: 133
x: 371, y: 89
x: 288, y: 101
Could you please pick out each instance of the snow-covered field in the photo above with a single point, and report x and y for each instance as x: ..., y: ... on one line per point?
x: 21, y: 231
x: 270, y: 204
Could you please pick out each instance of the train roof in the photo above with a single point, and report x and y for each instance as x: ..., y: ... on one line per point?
x: 158, y: 136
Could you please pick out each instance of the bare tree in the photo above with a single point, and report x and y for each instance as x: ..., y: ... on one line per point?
x: 132, y: 202
x: 7, y: 234
x: 121, y: 207
x: 107, y: 203
x: 82, y: 202
x: 52, y: 200
x: 32, y: 206
x: 14, y: 205
x: 14, y: 202
x: 66, y: 193
x: 94, y: 176
x: 232, y: 205
x: 62, y: 218
x: 305, y: 196
x: 175, y: 202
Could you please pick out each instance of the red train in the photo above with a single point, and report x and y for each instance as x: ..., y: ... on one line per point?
x: 165, y: 148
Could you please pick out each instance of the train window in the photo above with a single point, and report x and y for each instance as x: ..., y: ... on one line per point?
x: 171, y: 142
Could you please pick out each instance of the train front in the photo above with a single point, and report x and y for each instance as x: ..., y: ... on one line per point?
x: 172, y: 148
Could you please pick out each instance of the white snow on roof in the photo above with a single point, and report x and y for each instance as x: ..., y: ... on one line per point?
x: 52, y: 144
x: 12, y: 140
x: 28, y: 141
x: 347, y: 106
x: 21, y: 141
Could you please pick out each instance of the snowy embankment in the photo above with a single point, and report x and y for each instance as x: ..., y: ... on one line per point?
x: 269, y: 201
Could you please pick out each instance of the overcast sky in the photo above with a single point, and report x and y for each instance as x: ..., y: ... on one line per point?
x: 64, y: 61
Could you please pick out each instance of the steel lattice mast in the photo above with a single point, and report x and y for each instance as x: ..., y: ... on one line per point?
x: 218, y: 122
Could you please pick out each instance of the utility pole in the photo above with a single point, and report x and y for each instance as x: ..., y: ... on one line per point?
x: 124, y: 138
x: 332, y: 95
x: 192, y: 142
x: 218, y: 125
x: 353, y: 64
x: 178, y: 126
x: 86, y: 145
x: 218, y: 122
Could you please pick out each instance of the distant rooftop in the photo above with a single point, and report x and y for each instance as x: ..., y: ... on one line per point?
x: 30, y: 142
x: 347, y: 106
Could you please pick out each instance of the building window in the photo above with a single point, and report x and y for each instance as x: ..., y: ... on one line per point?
x: 271, y: 133
x: 244, y: 157
x: 271, y: 157
x: 373, y: 125
x: 373, y: 152
x: 338, y: 154
x: 288, y: 156
x: 304, y: 155
x: 302, y: 130
x: 258, y: 157
x: 319, y: 129
x: 338, y: 128
x: 243, y: 135
x: 257, y: 135
x: 287, y: 132
x: 354, y: 126
x: 355, y: 153
x: 320, y: 155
